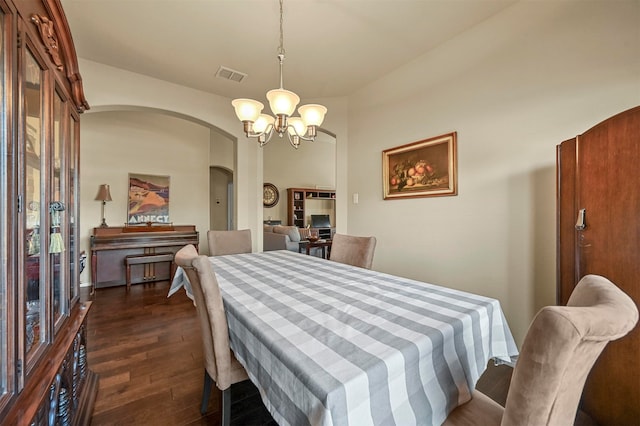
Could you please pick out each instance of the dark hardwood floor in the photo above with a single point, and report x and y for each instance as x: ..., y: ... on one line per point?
x: 147, y: 350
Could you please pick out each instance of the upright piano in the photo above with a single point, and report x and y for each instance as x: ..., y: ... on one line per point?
x: 110, y: 245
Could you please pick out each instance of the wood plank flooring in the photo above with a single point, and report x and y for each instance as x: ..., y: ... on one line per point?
x: 147, y: 350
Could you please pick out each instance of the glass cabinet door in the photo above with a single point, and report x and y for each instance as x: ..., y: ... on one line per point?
x: 4, y: 212
x: 72, y: 211
x: 57, y: 236
x: 34, y: 233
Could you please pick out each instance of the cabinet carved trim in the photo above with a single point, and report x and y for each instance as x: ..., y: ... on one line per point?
x: 68, y: 52
x: 49, y: 38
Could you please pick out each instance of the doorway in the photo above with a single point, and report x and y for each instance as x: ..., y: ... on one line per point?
x: 220, y: 199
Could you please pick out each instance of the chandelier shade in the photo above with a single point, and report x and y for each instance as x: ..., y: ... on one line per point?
x: 262, y: 123
x: 247, y: 109
x: 312, y: 114
x: 282, y: 101
x: 283, y: 104
x: 297, y: 126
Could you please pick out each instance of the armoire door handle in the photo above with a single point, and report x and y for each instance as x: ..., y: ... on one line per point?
x: 581, y: 223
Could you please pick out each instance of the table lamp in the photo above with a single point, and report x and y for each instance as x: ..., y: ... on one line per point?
x: 104, y: 195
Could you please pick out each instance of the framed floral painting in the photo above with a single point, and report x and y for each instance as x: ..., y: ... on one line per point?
x: 426, y: 168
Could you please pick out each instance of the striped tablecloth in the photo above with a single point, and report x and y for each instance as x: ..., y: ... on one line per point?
x: 330, y: 344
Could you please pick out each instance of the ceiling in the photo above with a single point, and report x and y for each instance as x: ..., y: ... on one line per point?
x: 333, y: 47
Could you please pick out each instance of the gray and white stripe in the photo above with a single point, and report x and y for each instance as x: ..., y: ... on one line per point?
x: 330, y: 344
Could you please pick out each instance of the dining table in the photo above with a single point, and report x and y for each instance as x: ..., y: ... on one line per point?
x: 328, y: 344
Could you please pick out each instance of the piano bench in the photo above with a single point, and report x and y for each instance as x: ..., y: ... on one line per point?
x: 144, y: 259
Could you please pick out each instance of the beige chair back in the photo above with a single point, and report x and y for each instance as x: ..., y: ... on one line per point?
x: 559, y: 350
x: 220, y: 362
x: 229, y: 242
x: 351, y: 250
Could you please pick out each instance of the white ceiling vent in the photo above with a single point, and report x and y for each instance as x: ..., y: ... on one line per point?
x: 229, y: 74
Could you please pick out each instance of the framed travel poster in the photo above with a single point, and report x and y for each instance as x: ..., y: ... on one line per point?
x: 148, y: 199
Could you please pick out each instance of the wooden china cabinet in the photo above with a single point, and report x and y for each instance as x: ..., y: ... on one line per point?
x: 44, y: 376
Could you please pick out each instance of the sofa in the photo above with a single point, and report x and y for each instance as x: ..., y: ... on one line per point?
x: 279, y: 237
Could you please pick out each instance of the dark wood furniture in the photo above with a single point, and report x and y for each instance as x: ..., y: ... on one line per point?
x: 325, y: 245
x: 44, y: 374
x: 111, y: 245
x: 299, y: 207
x: 148, y: 261
x: 599, y: 233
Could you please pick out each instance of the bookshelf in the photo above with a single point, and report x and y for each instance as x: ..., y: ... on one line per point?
x: 303, y: 202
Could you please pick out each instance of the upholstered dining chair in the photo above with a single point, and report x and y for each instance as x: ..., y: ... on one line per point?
x: 221, y: 366
x: 229, y: 242
x: 559, y: 350
x: 352, y: 250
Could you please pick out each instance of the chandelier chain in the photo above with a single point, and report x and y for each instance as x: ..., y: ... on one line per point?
x: 281, y: 47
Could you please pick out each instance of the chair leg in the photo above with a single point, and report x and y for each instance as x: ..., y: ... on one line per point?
x: 206, y: 392
x: 226, y: 407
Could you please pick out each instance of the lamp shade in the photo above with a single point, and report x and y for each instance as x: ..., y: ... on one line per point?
x: 262, y: 123
x: 104, y: 194
x: 282, y: 101
x: 247, y: 109
x: 312, y: 114
x: 298, y: 124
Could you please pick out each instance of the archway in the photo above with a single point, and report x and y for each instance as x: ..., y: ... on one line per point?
x: 118, y: 140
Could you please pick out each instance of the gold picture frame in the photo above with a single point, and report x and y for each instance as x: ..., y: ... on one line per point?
x: 427, y: 168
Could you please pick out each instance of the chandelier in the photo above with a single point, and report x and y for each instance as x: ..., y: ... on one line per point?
x: 282, y: 103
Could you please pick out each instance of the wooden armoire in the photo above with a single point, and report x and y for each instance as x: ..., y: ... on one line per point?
x: 45, y: 377
x: 598, y: 175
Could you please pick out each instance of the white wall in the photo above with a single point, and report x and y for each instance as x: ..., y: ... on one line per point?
x: 113, y: 89
x: 109, y: 89
x: 222, y: 151
x: 513, y: 88
x: 222, y: 161
x: 117, y: 143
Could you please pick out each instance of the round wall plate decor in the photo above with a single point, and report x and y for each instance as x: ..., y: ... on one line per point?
x: 270, y: 195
